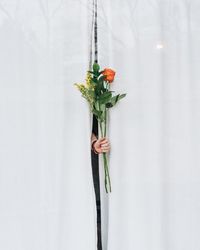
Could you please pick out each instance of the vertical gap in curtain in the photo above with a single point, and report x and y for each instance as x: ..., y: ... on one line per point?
x: 94, y: 157
x: 106, y: 60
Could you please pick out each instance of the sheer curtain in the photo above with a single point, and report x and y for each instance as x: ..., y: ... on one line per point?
x: 154, y: 162
x: 46, y: 190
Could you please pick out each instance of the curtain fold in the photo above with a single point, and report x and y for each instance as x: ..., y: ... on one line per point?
x: 154, y: 131
x: 46, y: 188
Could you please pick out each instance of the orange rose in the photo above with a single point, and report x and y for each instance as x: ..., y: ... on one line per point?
x: 109, y: 75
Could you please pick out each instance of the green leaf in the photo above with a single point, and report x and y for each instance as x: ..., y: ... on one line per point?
x: 109, y: 105
x: 101, y: 79
x: 97, y: 113
x: 102, y: 107
x: 101, y: 83
x: 117, y: 98
x: 94, y: 80
x: 96, y: 67
x: 98, y: 90
x: 121, y: 96
x: 107, y: 93
x: 114, y: 99
x: 91, y: 92
x: 105, y: 97
x: 96, y: 106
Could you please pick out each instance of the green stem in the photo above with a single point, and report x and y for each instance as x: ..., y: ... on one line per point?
x: 107, y: 175
x: 105, y: 172
x: 106, y: 169
x: 105, y: 123
x: 104, y: 160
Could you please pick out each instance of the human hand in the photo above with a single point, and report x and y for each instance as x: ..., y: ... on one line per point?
x: 102, y: 145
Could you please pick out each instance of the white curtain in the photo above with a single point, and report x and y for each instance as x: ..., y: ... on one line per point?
x: 46, y: 191
x: 154, y: 162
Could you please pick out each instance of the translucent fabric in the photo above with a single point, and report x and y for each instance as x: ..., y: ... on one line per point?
x: 46, y: 191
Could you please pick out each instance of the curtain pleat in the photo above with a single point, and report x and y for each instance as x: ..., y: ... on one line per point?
x: 47, y: 198
x: 154, y: 132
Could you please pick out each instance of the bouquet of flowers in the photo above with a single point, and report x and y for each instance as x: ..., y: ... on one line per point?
x: 100, y: 98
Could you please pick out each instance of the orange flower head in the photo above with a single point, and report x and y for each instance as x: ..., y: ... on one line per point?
x: 109, y: 75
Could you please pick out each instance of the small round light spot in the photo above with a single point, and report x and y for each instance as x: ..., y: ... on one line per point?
x: 160, y: 46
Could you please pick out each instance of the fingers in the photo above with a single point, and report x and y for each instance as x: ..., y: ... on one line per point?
x: 105, y: 147
x: 106, y: 144
x: 103, y: 144
x: 97, y: 143
x: 102, y: 140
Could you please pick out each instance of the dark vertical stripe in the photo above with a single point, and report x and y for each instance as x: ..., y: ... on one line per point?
x: 96, y: 32
x: 95, y: 158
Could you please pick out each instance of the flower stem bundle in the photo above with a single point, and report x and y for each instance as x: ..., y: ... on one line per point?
x: 97, y: 92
